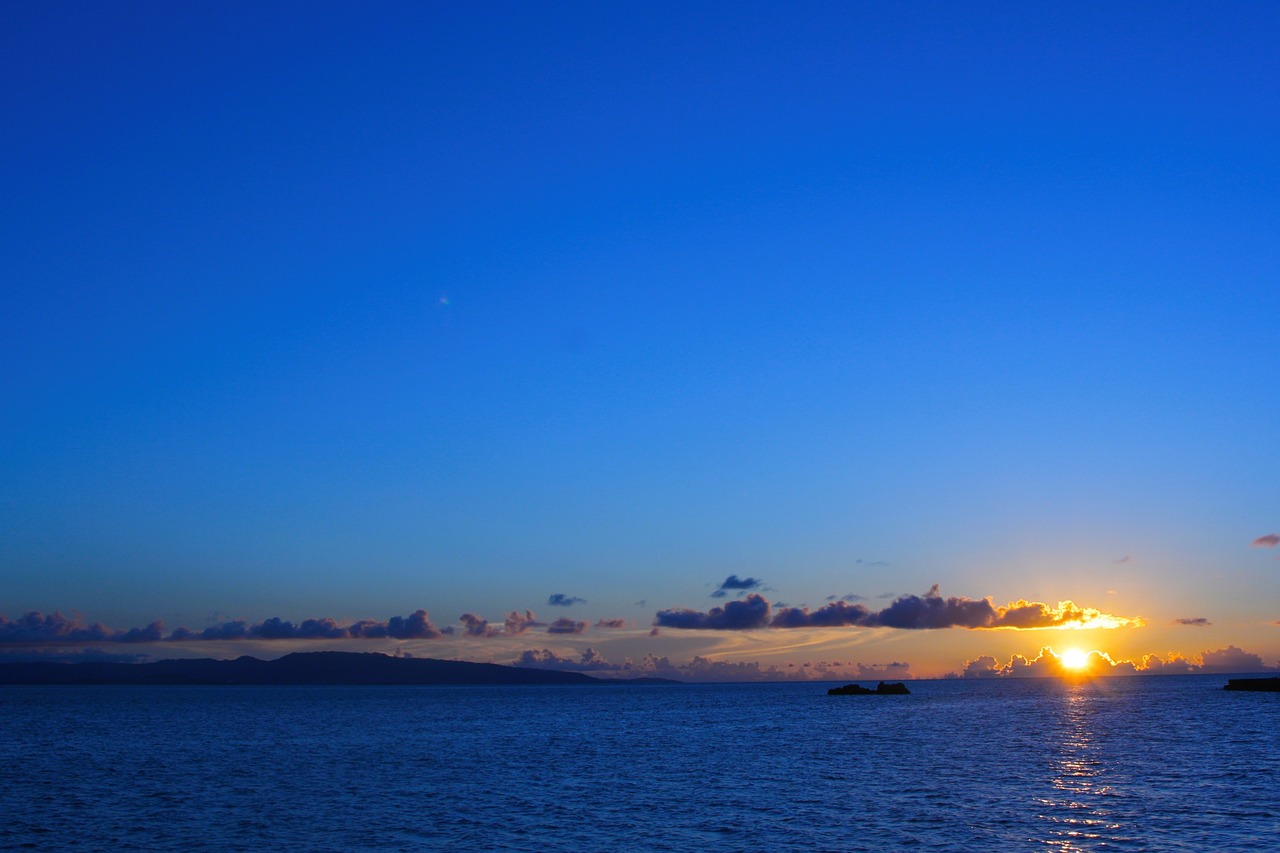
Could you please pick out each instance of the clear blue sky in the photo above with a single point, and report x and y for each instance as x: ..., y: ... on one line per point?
x: 346, y: 310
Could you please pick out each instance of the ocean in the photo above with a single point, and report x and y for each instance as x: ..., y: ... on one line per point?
x: 1144, y: 763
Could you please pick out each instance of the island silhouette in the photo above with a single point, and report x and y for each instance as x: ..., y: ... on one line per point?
x: 297, y: 668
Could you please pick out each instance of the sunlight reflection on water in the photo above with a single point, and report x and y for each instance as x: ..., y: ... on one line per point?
x: 1117, y: 764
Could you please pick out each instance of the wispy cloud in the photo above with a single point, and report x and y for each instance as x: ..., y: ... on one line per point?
x: 559, y: 599
x: 907, y: 612
x: 1194, y: 621
x: 735, y: 584
x: 1271, y: 540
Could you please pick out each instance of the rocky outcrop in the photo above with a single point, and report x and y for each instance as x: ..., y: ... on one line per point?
x: 882, y: 689
x: 1257, y: 685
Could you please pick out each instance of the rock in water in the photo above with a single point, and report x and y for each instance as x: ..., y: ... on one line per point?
x: 882, y: 689
x: 1258, y: 685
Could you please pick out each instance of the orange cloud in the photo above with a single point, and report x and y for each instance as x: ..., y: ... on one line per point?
x: 1051, y: 663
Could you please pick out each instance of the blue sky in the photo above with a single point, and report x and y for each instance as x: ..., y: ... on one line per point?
x: 335, y: 310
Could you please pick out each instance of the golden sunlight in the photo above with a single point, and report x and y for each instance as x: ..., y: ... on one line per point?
x: 1074, y: 660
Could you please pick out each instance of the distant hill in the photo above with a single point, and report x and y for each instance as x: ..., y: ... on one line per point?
x: 297, y: 668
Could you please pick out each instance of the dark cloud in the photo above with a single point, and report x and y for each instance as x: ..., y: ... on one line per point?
x: 836, y: 614
x: 1271, y: 540
x: 1231, y: 659
x: 611, y: 623
x: 474, y: 626
x: 850, y: 597
x: 907, y: 612
x: 564, y: 625
x: 750, y: 612
x: 559, y: 599
x: 1195, y: 621
x: 736, y: 584
x: 34, y: 628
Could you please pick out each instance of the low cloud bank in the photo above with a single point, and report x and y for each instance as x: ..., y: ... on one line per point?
x: 706, y: 669
x: 907, y: 612
x: 1050, y: 663
x: 37, y: 629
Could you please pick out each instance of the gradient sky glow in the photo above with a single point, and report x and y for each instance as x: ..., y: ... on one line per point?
x: 336, y: 310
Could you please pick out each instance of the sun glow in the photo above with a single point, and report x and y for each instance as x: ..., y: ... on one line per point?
x: 1074, y: 660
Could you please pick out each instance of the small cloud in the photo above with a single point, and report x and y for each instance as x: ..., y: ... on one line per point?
x: 1194, y: 621
x: 737, y: 584
x: 887, y: 595
x: 873, y: 564
x: 517, y: 623
x: 559, y: 599
x: 1125, y: 559
x: 1271, y: 540
x: 612, y: 623
x: 564, y: 625
x: 849, y: 597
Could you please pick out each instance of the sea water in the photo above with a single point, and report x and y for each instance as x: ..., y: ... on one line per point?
x: 1145, y: 763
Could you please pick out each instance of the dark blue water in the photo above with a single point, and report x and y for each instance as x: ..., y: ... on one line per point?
x: 1158, y: 764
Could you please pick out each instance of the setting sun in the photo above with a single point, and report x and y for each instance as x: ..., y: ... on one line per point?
x: 1074, y: 659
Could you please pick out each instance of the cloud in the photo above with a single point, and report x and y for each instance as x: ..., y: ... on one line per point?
x: 559, y: 599
x: 850, y: 597
x: 750, y: 612
x: 1049, y: 663
x: 1271, y: 540
x: 907, y: 612
x: 1125, y: 559
x: 707, y: 669
x: 896, y: 669
x: 733, y: 582
x: 474, y: 626
x: 1231, y: 659
x: 566, y: 626
x: 34, y: 628
x: 611, y: 623
x: 517, y: 623
x: 1194, y: 621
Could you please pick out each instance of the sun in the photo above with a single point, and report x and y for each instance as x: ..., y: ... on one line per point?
x: 1074, y: 660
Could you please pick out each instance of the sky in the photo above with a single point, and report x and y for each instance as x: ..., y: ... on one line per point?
x: 716, y: 340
